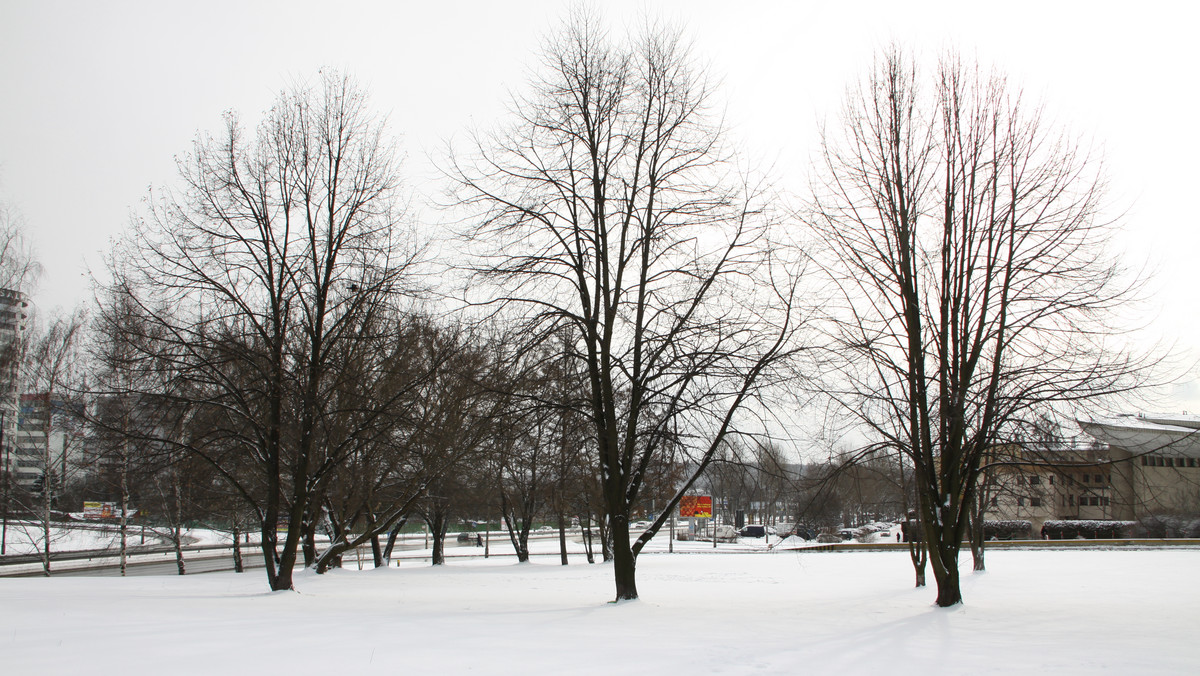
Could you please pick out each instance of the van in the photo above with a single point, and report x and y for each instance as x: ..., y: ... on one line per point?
x: 753, y: 532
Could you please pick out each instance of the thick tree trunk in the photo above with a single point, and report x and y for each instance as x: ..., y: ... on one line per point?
x: 437, y: 530
x: 624, y: 560
x: 291, y: 543
x: 943, y: 559
x: 376, y: 552
x: 269, y: 546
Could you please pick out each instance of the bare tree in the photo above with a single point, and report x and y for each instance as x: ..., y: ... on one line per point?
x: 53, y: 367
x: 605, y: 209
x: 967, y: 240
x: 257, y: 274
x: 18, y: 271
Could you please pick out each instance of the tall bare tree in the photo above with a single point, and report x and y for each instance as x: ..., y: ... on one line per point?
x: 967, y: 237
x: 53, y: 368
x: 258, y: 272
x: 18, y: 272
x: 605, y: 209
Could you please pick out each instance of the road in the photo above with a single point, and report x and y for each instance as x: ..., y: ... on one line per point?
x: 208, y: 560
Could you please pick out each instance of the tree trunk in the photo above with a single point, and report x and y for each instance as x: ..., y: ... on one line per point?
x: 624, y: 560
x: 376, y: 552
x: 976, y: 530
x: 943, y: 558
x: 919, y: 555
x: 177, y: 531
x: 310, y: 541
x: 562, y: 537
x: 238, y: 566
x: 977, y: 545
x: 587, y: 536
x: 391, y: 540
x: 518, y: 534
x: 437, y: 529
x: 606, y: 550
x: 46, y: 491
x: 124, y: 507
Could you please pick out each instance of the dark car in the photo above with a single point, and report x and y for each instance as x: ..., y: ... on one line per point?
x: 753, y: 532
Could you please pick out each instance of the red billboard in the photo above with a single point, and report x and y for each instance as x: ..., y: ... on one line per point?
x: 696, y: 507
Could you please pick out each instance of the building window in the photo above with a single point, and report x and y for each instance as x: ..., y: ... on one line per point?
x: 1100, y: 479
x: 994, y: 502
x: 1145, y: 460
x: 1191, y: 462
x: 1034, y: 480
x: 1104, y: 501
x: 1035, y: 502
x: 1020, y: 502
x: 1086, y: 478
x: 1051, y: 479
x: 1071, y: 500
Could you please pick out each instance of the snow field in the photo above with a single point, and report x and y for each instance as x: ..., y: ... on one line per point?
x: 1059, y: 612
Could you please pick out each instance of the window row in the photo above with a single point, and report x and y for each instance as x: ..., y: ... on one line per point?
x: 1164, y: 461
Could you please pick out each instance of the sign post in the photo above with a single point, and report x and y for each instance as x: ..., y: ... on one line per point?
x: 698, y: 507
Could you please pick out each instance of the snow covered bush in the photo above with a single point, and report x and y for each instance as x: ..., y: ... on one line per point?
x: 1071, y: 529
x: 1007, y: 529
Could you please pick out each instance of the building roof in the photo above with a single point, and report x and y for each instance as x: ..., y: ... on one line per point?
x: 1177, y: 435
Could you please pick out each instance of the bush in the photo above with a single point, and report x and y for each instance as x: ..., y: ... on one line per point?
x: 1007, y: 529
x: 1168, y: 526
x: 1088, y: 529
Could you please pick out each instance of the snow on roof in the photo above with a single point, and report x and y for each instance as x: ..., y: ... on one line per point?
x: 1167, y: 434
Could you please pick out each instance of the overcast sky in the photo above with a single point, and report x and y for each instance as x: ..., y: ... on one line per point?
x: 97, y: 98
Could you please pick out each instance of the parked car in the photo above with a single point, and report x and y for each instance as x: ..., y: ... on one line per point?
x: 805, y: 533
x: 726, y: 533
x: 753, y: 532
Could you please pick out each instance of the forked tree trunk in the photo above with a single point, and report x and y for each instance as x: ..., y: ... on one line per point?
x: 587, y: 536
x: 919, y: 555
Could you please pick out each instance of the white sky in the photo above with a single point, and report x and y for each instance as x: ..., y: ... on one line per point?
x: 96, y: 99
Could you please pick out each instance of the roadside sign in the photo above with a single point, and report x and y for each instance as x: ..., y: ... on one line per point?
x: 696, y: 506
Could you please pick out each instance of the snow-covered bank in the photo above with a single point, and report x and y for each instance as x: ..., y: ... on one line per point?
x: 1055, y: 612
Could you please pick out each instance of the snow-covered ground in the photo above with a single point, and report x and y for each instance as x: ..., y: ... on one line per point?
x: 26, y: 537
x: 1057, y: 612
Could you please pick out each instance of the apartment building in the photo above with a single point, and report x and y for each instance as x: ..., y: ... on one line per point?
x: 1132, y: 467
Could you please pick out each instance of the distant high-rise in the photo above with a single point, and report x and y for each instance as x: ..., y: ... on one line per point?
x: 14, y: 310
